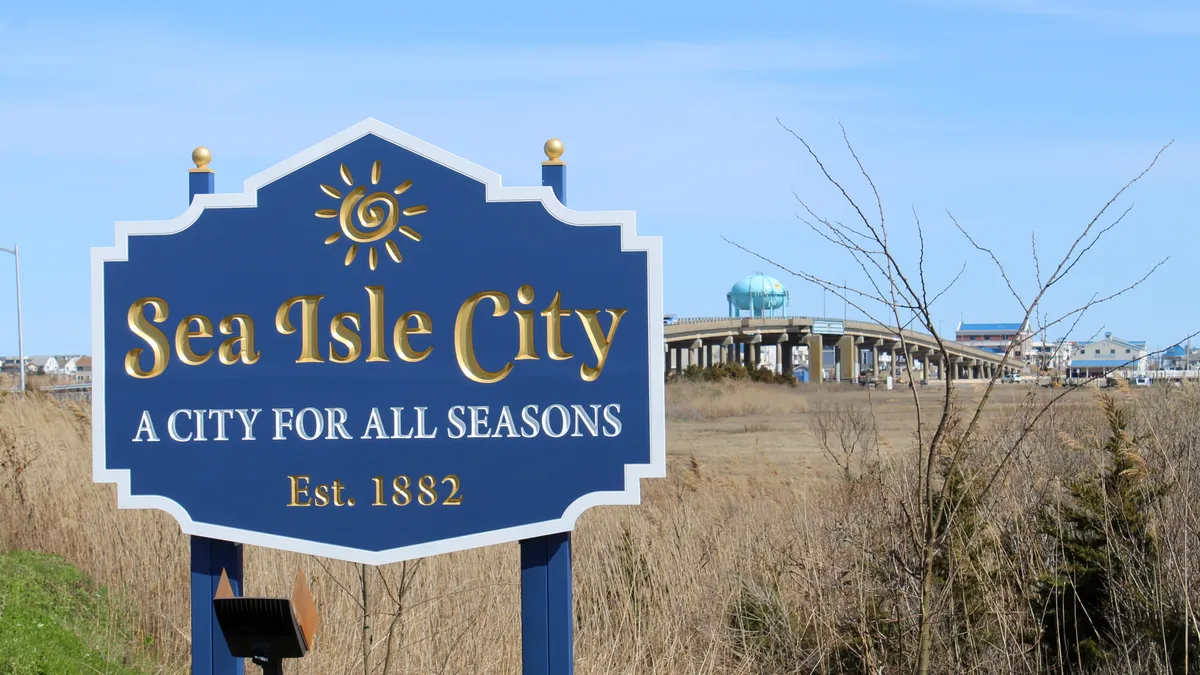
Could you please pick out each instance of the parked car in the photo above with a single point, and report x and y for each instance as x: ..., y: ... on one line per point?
x: 1011, y: 378
x: 1142, y: 381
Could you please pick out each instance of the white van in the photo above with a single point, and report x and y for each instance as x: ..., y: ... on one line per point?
x: 1141, y: 381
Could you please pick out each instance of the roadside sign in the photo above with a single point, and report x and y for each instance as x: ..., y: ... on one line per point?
x: 376, y: 352
x: 826, y: 327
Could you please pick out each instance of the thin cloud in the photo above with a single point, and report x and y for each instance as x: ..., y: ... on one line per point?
x: 1144, y: 19
x: 142, y: 54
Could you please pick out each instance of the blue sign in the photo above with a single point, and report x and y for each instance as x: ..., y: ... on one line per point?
x: 376, y: 352
x: 828, y: 327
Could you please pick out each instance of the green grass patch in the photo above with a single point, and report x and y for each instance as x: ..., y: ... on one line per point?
x: 54, y: 619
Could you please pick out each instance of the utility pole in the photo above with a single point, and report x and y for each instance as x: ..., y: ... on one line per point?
x: 15, y: 251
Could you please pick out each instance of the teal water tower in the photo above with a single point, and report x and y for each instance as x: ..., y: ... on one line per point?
x: 758, y: 295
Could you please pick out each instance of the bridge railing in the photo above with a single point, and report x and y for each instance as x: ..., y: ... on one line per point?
x: 708, y: 319
x: 711, y: 319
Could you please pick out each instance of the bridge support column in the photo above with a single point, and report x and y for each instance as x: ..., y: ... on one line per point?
x: 875, y: 361
x: 785, y: 357
x: 757, y: 355
x: 845, y: 357
x: 816, y: 347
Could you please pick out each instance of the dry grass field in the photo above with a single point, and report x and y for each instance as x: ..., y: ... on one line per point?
x: 765, y: 550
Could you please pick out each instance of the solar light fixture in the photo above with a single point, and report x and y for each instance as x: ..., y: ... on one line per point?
x: 267, y: 630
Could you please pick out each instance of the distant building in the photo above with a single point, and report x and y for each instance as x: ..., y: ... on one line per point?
x: 1175, y: 358
x: 83, y: 369
x: 1110, y: 355
x: 1050, y: 355
x: 996, y: 337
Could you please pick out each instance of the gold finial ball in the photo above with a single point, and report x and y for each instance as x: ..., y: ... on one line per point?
x: 554, y: 149
x: 201, y: 156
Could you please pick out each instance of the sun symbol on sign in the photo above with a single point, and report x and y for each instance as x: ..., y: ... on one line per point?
x: 367, y: 219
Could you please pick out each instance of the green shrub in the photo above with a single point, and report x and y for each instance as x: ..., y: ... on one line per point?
x: 732, y: 372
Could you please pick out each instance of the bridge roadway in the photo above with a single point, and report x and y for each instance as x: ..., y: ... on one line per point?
x: 706, y: 341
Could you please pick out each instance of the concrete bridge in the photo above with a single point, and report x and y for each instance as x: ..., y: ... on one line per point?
x: 707, y: 341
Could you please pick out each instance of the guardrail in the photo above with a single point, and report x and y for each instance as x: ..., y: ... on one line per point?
x: 81, y: 390
x: 707, y: 319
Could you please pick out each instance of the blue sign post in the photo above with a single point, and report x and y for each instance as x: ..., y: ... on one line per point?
x: 377, y: 352
x: 209, y: 557
x: 547, y: 620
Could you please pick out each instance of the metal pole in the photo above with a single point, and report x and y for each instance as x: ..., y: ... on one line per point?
x: 20, y: 329
x: 16, y: 253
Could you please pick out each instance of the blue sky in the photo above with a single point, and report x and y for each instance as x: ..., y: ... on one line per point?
x: 1018, y: 116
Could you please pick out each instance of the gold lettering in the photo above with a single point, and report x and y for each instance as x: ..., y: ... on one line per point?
x: 298, y: 491
x: 528, y: 350
x: 464, y: 339
x: 337, y: 495
x: 454, y: 499
x: 402, y: 330
x: 426, y: 485
x: 601, y: 343
x: 184, y: 335
x: 554, y: 315
x: 346, y: 336
x: 244, y: 341
x: 401, y: 495
x: 309, y: 351
x: 321, y: 495
x: 378, y: 347
x: 141, y: 327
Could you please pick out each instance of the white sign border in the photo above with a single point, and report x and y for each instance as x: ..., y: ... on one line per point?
x: 495, y: 192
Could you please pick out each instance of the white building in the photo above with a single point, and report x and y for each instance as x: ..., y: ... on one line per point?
x: 996, y: 338
x: 1050, y: 355
x: 1110, y: 355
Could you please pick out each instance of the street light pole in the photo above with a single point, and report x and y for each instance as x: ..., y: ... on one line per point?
x: 15, y: 251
